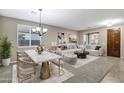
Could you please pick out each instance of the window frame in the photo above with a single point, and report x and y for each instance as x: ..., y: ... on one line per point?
x: 30, y: 46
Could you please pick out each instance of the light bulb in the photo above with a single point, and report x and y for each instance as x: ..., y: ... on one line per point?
x: 38, y: 29
x: 45, y: 30
x: 33, y: 30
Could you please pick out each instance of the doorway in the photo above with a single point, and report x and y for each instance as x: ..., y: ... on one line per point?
x: 113, y: 42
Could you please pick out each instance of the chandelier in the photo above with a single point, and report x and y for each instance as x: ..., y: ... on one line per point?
x: 40, y: 30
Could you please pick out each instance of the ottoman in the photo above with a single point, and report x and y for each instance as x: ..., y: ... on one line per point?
x: 70, y: 58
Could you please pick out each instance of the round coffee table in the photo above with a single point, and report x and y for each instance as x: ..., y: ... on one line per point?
x: 81, y: 54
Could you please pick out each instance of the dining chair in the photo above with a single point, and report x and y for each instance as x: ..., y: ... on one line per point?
x: 59, y: 64
x: 22, y: 54
x: 26, y: 68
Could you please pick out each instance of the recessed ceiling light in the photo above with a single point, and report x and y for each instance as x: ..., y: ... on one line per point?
x: 111, y: 22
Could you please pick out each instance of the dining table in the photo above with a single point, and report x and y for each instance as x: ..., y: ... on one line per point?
x: 44, y: 57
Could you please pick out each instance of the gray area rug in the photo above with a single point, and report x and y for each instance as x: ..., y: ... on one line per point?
x: 80, y: 62
x: 92, y: 72
x: 54, y: 78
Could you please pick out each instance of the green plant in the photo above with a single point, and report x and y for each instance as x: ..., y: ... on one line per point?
x: 5, y: 48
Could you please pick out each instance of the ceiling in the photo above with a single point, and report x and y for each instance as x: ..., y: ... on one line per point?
x: 75, y: 19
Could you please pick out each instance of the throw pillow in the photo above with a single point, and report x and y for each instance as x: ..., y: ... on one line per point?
x: 63, y: 47
x: 97, y: 47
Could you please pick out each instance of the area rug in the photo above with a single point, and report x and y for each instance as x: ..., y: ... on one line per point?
x: 80, y: 62
x: 54, y: 78
x: 92, y: 72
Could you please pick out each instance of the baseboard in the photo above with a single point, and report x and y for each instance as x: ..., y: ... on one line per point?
x: 13, y: 62
x: 122, y: 57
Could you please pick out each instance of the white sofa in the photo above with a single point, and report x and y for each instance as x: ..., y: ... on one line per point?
x: 92, y: 51
x: 70, y: 49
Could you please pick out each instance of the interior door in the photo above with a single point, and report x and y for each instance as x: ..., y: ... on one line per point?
x: 113, y: 42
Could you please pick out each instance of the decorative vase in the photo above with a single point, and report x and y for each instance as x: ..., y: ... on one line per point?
x: 40, y: 50
x: 84, y: 50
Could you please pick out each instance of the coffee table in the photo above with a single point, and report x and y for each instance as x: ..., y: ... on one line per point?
x: 81, y: 54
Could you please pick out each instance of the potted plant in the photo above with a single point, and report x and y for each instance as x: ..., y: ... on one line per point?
x: 5, y: 51
x: 0, y: 49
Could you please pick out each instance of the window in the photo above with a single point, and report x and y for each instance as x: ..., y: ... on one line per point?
x: 26, y: 37
x: 35, y: 40
x: 93, y: 38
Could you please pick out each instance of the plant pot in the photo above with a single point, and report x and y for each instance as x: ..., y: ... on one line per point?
x: 6, y: 62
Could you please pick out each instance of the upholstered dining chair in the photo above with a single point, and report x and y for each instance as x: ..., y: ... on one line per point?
x: 26, y: 68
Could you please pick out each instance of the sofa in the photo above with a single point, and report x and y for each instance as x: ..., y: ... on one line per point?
x: 69, y: 48
x: 94, y: 50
